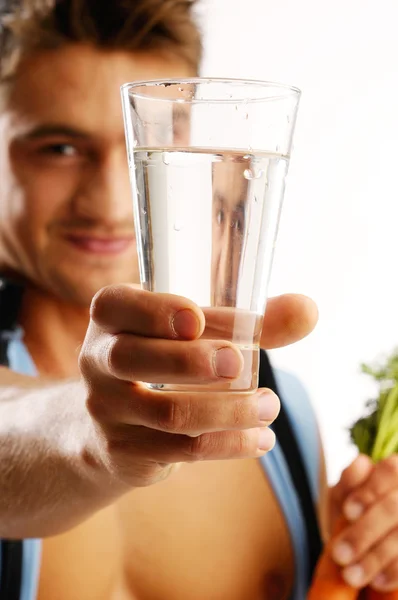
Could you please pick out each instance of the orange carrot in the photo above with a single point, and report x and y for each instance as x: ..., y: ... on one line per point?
x: 328, y: 583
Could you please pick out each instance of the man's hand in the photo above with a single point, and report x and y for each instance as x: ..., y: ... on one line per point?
x: 367, y: 495
x: 137, y: 336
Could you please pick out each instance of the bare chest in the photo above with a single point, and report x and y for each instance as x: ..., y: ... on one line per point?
x: 214, y: 530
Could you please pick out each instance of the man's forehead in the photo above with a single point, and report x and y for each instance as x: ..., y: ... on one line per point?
x: 77, y: 88
x: 61, y: 98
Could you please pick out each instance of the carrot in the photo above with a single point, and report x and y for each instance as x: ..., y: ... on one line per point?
x: 376, y: 435
x: 328, y: 583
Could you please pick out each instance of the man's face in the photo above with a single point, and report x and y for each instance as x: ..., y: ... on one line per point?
x: 66, y: 219
x: 229, y: 217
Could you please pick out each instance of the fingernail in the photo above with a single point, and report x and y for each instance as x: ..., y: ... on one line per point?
x: 266, y: 439
x: 268, y: 406
x: 353, y: 510
x: 379, y: 581
x: 227, y: 363
x: 343, y: 553
x: 185, y: 324
x: 354, y: 575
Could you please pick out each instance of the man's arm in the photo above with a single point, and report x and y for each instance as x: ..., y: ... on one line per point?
x: 67, y: 450
x: 50, y: 472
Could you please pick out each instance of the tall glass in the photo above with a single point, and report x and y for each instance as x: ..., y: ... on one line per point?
x: 208, y: 160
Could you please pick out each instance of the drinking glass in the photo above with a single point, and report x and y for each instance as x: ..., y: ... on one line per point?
x: 208, y: 160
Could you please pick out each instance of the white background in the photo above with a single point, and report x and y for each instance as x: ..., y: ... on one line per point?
x: 338, y: 240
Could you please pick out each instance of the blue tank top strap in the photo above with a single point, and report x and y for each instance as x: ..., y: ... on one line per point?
x: 21, y: 362
x: 302, y: 417
x: 279, y: 477
x: 299, y: 410
x: 18, y: 355
x: 30, y: 569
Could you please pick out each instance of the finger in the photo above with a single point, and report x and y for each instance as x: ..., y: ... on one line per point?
x: 387, y: 580
x: 382, y: 480
x: 145, y: 444
x: 126, y: 309
x: 186, y: 413
x: 375, y: 564
x: 356, y: 474
x: 132, y: 358
x: 379, y: 520
x: 288, y: 319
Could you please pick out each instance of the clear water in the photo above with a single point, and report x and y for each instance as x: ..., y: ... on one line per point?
x: 207, y: 222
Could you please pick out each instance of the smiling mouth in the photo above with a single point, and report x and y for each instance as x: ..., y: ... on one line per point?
x: 100, y: 245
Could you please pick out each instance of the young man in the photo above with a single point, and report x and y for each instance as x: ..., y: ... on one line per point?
x: 82, y: 442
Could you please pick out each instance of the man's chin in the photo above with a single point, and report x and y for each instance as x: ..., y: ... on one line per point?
x: 80, y: 288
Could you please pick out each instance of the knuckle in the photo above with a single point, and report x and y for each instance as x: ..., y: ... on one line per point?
x: 112, y: 354
x: 84, y: 362
x: 96, y: 407
x: 242, y: 445
x: 173, y: 417
x: 118, y: 356
x: 239, y: 413
x: 200, y: 447
x: 100, y: 303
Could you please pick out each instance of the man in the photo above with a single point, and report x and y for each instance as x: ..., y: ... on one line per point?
x: 82, y: 443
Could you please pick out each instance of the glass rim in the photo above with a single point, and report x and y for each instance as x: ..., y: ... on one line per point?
x: 152, y: 83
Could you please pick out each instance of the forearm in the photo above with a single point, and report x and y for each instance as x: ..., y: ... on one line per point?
x: 51, y: 477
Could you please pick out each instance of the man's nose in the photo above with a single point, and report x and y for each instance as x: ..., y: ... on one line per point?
x: 229, y: 263
x: 105, y: 193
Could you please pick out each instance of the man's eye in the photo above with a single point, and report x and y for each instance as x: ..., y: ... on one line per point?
x: 60, y: 150
x: 238, y: 224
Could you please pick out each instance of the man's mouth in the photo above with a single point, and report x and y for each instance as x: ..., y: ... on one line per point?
x: 100, y: 245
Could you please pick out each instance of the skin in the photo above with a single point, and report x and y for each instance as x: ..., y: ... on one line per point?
x: 65, y: 202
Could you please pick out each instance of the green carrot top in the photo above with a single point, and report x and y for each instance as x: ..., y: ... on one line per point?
x: 376, y: 434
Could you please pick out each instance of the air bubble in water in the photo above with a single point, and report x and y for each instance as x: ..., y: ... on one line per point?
x: 165, y: 158
x: 180, y: 89
x: 252, y: 174
x: 177, y: 226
